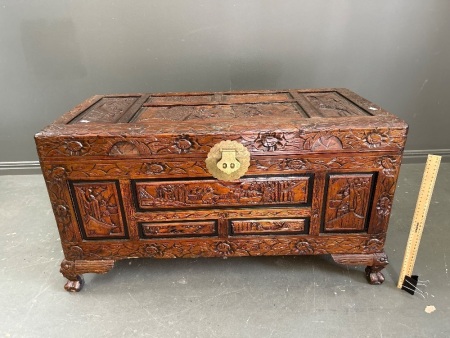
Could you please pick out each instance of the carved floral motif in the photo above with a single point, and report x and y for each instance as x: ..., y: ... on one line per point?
x: 389, y: 165
x: 302, y: 247
x: 374, y: 245
x: 124, y: 148
x: 75, y: 253
x: 327, y: 142
x: 376, y: 139
x: 75, y: 148
x: 302, y: 140
x: 270, y: 141
x: 183, y: 144
x: 58, y: 174
x: 153, y: 168
x: 224, y: 248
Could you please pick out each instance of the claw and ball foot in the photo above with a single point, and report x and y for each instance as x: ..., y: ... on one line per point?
x: 75, y: 285
x: 73, y: 271
x: 374, y: 274
x: 375, y: 263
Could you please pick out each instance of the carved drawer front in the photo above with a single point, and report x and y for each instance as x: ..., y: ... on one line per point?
x: 213, y: 193
x: 348, y: 201
x: 269, y: 226
x: 179, y: 229
x: 99, y: 209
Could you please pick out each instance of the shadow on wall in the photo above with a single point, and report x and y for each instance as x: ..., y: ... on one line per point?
x: 51, y: 50
x: 245, y: 73
x: 53, y: 53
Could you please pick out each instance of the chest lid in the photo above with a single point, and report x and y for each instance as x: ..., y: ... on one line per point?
x: 189, y: 124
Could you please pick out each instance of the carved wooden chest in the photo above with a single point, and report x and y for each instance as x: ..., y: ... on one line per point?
x: 292, y: 172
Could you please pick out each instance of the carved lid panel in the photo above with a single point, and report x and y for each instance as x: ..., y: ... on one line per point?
x: 186, y: 124
x: 211, y: 107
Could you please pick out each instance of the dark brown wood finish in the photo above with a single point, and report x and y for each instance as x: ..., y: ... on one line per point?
x: 127, y: 178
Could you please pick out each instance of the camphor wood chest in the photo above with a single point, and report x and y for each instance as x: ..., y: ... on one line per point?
x: 303, y: 172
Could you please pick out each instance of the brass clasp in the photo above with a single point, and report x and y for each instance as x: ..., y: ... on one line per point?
x: 228, y: 160
x: 228, y: 163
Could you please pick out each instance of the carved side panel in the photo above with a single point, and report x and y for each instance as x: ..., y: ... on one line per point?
x: 56, y: 180
x: 207, y: 193
x: 384, y: 196
x: 99, y: 210
x: 347, y: 202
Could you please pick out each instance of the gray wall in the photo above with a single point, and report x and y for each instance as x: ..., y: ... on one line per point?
x: 54, y: 54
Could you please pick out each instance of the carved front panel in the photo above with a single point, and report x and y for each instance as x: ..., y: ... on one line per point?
x: 207, y: 193
x: 99, y: 212
x: 347, y: 202
x: 179, y: 229
x: 268, y: 226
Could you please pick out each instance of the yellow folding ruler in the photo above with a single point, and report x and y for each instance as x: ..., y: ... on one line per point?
x: 407, y: 281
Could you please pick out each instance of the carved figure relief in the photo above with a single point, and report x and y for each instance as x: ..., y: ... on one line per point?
x: 219, y: 193
x: 254, y: 227
x: 384, y: 206
x: 99, y: 210
x: 347, y: 202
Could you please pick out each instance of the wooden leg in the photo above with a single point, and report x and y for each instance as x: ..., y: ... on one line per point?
x: 375, y: 263
x: 73, y: 271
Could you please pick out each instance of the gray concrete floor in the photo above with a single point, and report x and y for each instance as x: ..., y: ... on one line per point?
x: 238, y: 297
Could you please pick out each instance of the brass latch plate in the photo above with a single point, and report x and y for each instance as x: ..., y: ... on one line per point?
x: 228, y: 160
